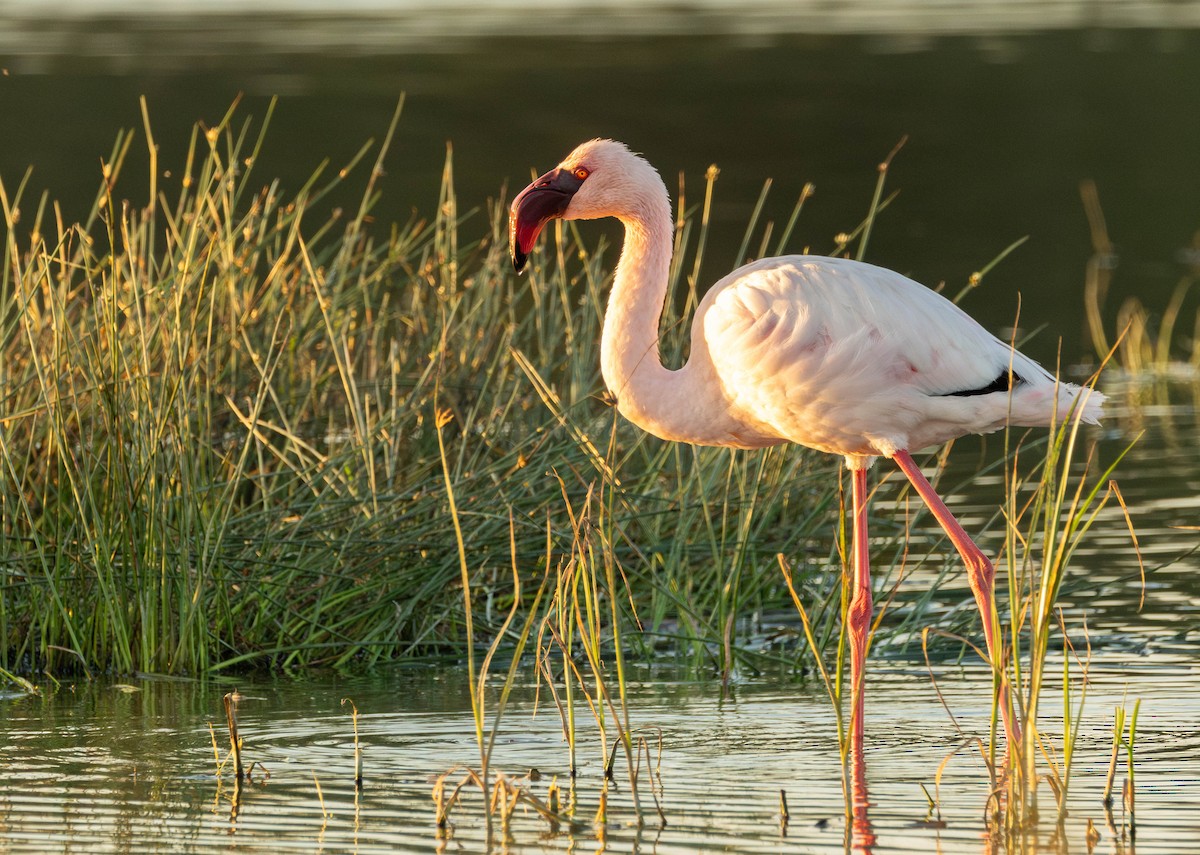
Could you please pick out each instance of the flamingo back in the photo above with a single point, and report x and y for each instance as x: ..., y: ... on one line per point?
x: 857, y: 360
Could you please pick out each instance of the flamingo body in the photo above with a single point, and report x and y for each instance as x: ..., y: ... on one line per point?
x: 857, y: 360
x: 833, y: 354
x: 837, y: 355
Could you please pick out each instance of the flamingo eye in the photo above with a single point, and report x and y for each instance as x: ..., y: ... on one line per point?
x: 580, y: 172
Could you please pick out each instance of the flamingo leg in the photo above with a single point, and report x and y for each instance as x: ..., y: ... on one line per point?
x: 981, y: 576
x: 858, y: 616
x: 858, y: 622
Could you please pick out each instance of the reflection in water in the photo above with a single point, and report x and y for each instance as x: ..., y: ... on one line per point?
x: 861, y: 834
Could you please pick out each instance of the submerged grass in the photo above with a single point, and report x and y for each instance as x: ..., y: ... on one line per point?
x: 220, y: 444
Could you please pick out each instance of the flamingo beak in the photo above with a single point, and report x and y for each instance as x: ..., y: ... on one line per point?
x: 536, y: 205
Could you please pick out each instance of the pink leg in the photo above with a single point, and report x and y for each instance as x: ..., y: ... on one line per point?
x: 981, y: 576
x: 859, y: 612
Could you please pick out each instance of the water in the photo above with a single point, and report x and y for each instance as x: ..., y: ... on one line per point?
x: 1004, y: 116
x: 97, y: 767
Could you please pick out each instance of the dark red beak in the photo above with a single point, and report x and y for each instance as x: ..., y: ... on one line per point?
x: 536, y: 205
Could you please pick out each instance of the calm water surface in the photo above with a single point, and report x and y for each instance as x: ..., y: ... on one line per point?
x: 99, y: 767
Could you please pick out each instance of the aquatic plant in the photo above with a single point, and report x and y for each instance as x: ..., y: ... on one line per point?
x: 219, y: 440
x: 1128, y: 789
x: 1048, y: 511
x: 485, y: 730
x: 358, y: 757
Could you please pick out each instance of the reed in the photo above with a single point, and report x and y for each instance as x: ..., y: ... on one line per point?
x: 1048, y: 511
x: 1130, y: 779
x: 486, y: 736
x: 230, y: 701
x: 358, y: 762
x: 219, y: 438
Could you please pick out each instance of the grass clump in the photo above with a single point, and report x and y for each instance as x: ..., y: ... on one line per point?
x: 219, y: 440
x: 1048, y: 514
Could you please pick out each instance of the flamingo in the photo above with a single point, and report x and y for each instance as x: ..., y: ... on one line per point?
x: 833, y: 354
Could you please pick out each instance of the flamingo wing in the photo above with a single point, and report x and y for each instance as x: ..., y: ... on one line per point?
x: 857, y: 360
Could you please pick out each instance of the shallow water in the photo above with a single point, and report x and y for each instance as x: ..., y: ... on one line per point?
x: 130, y: 766
x: 98, y: 767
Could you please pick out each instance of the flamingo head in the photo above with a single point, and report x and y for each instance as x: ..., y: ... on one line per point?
x: 600, y: 178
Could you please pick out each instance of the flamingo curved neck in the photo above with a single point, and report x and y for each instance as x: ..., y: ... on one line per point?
x: 667, y: 403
